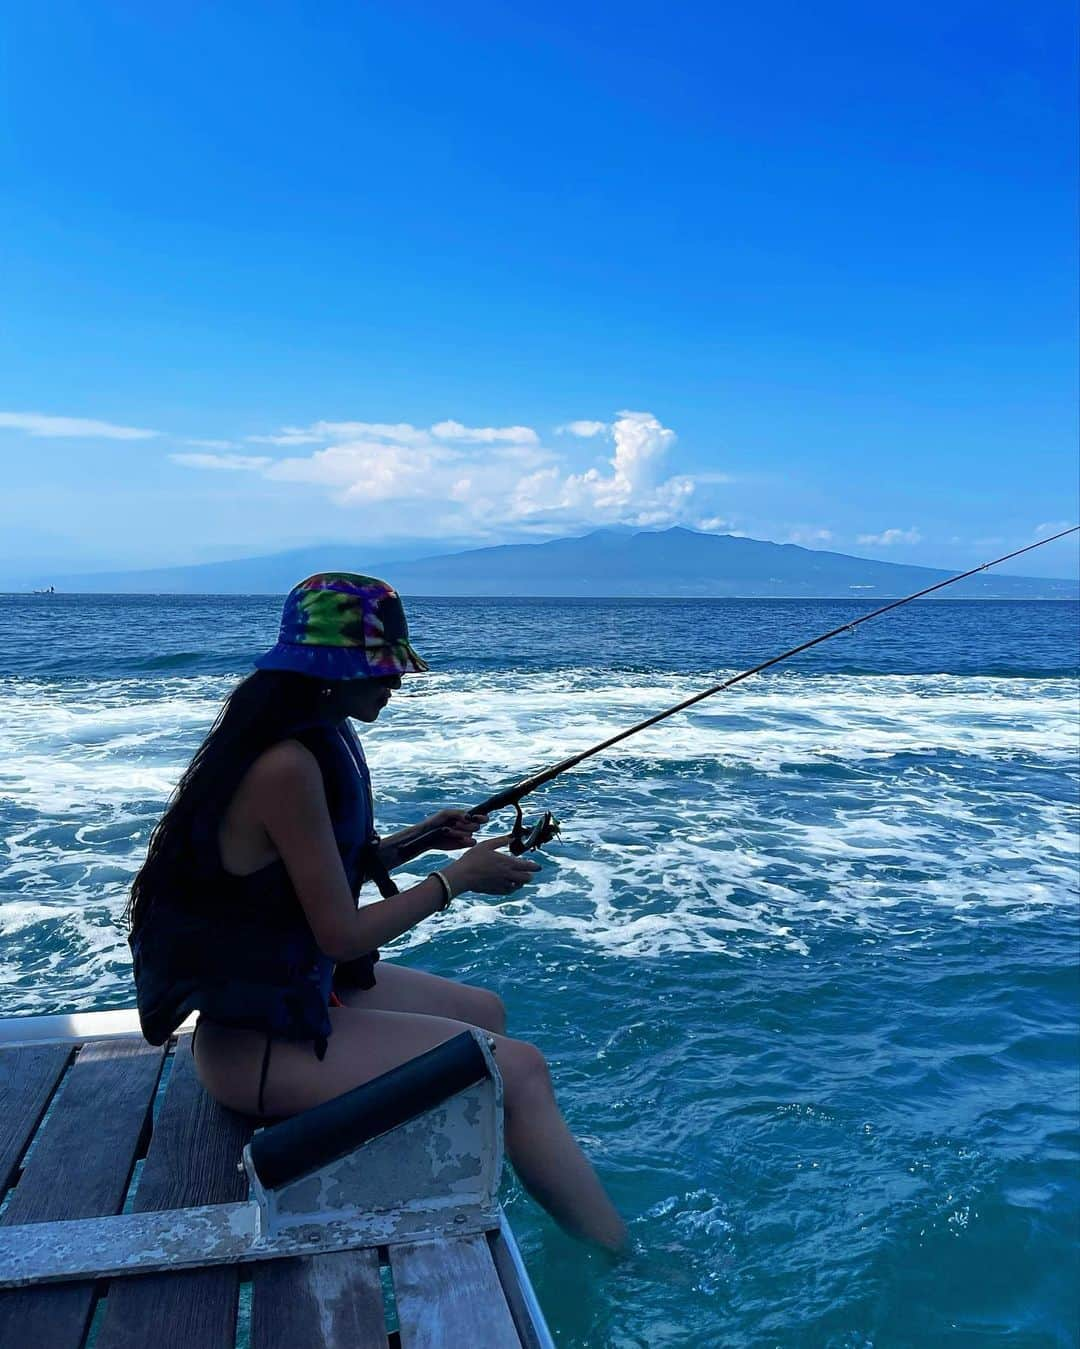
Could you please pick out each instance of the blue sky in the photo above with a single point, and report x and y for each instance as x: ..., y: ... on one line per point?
x: 276, y: 274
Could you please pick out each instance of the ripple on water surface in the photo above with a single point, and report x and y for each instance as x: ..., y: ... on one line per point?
x: 803, y: 965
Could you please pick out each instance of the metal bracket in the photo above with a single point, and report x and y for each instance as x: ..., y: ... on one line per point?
x: 436, y: 1174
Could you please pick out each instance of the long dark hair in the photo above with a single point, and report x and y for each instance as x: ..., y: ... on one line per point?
x: 261, y: 710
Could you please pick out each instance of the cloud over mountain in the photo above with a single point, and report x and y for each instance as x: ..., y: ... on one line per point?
x: 477, y: 478
x: 889, y: 538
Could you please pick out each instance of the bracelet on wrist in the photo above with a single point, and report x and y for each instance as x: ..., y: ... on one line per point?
x: 448, y: 889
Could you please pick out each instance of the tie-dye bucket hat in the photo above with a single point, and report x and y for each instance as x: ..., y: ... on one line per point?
x: 339, y: 625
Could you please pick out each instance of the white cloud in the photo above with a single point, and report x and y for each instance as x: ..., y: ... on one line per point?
x: 213, y: 444
x: 640, y: 440
x: 482, y: 481
x: 319, y: 432
x: 369, y: 471
x: 397, y: 433
x: 288, y: 435
x: 228, y: 462
x: 807, y: 535
x: 713, y: 524
x: 628, y: 494
x: 38, y: 424
x: 484, y: 435
x: 889, y: 537
x: 584, y: 429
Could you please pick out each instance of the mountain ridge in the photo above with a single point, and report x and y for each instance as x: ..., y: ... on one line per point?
x: 606, y: 563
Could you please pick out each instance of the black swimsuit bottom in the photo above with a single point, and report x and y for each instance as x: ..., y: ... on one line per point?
x: 260, y: 1104
x: 260, y: 1108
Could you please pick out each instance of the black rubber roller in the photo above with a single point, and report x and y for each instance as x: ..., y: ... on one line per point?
x: 286, y: 1151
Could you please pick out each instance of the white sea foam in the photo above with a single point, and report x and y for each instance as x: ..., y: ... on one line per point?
x: 744, y: 822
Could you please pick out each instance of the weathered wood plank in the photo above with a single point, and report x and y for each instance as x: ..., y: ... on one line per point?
x: 448, y: 1294
x: 79, y: 1168
x: 192, y: 1160
x: 319, y: 1302
x: 28, y: 1078
x: 83, y: 1157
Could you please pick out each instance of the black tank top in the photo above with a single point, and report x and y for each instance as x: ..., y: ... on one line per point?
x: 240, y: 950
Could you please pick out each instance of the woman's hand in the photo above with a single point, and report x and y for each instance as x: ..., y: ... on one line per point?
x: 488, y: 870
x: 448, y: 830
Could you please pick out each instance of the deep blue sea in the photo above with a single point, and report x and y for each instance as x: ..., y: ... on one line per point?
x: 805, y: 963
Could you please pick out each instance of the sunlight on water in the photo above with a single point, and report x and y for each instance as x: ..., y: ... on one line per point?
x: 803, y: 962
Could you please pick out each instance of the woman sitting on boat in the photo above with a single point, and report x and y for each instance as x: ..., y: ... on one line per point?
x: 246, y: 906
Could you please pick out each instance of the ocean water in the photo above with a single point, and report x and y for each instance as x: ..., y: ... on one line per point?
x: 804, y: 963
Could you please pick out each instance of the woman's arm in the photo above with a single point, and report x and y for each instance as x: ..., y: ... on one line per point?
x: 290, y: 802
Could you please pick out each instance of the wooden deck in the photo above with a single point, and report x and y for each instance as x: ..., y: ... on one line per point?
x: 94, y: 1121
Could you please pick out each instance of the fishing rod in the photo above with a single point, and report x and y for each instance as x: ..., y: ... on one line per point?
x: 524, y: 838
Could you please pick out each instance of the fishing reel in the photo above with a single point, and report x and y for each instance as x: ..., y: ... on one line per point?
x: 524, y: 838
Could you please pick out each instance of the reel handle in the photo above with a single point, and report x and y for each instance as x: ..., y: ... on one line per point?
x: 525, y: 839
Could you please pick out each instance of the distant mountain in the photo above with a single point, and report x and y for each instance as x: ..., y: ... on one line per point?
x: 683, y: 562
x: 270, y: 575
x: 609, y: 562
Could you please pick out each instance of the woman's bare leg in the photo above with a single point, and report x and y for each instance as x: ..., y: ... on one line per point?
x: 401, y: 989
x: 366, y: 1043
x: 537, y: 1137
x: 547, y: 1158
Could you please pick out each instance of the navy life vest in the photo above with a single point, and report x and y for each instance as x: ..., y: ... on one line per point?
x: 240, y: 949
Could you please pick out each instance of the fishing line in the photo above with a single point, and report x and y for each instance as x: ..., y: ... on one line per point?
x: 547, y: 827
